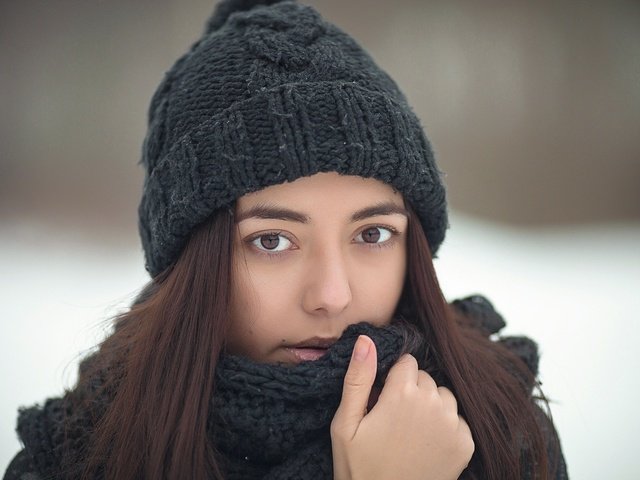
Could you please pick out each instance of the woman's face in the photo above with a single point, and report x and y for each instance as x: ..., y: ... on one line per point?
x: 312, y: 257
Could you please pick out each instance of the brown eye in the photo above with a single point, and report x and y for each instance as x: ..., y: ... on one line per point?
x: 375, y: 235
x: 270, y: 241
x: 371, y: 235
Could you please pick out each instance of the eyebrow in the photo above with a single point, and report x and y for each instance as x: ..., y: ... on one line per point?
x: 263, y: 210
x: 275, y: 212
x: 384, y: 208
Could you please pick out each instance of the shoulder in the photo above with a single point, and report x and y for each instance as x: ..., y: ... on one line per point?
x: 478, y: 312
x: 21, y: 468
x: 42, y: 429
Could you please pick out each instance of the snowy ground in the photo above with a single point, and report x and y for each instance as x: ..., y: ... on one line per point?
x: 575, y: 291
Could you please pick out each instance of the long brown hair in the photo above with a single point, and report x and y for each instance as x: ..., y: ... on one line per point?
x: 491, y: 384
x: 160, y: 363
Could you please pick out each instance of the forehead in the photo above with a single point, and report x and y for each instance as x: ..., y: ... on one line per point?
x: 322, y: 191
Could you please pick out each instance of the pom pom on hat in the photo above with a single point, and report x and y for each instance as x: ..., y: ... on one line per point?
x: 226, y: 7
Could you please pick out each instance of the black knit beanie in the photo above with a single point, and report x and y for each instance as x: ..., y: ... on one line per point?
x: 270, y: 93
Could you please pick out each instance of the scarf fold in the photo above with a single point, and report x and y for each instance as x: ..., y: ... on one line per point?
x: 272, y: 421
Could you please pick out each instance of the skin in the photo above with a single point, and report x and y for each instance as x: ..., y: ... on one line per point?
x: 314, y: 278
x: 312, y: 257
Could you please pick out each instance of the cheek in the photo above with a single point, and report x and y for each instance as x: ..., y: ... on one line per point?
x: 261, y: 303
x: 244, y: 309
x: 381, y: 288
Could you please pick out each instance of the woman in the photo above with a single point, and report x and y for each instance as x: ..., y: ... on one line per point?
x: 293, y: 326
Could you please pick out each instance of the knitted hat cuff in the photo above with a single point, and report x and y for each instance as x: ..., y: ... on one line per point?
x: 281, y: 134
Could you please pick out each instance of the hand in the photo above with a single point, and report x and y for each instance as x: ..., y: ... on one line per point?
x: 413, y: 431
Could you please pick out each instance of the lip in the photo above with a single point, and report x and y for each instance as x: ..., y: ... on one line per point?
x: 311, y: 349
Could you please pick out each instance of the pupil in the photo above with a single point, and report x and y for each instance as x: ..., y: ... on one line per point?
x: 372, y: 235
x: 269, y: 241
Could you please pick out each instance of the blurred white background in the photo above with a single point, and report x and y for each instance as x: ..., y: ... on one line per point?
x: 533, y: 110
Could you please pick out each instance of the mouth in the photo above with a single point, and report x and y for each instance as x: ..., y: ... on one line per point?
x: 311, y: 350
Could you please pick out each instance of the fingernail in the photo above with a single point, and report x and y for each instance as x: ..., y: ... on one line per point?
x: 361, y: 348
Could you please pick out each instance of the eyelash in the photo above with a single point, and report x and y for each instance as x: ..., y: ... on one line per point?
x: 386, y: 244
x: 267, y: 253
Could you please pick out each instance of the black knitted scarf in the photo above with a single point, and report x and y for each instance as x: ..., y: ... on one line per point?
x: 268, y: 421
x: 272, y: 422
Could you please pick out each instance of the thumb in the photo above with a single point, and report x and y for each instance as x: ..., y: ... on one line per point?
x: 357, y: 387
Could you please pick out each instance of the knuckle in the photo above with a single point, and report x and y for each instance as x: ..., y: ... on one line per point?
x: 448, y: 399
x: 429, y: 392
x: 466, y: 443
x: 408, y: 361
x: 406, y: 391
x: 405, y: 363
x: 444, y: 391
x: 471, y: 446
x: 467, y: 447
x: 426, y: 381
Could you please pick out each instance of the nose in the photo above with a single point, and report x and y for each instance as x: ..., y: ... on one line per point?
x: 327, y: 290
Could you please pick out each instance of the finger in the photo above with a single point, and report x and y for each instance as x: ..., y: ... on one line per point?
x: 449, y: 402
x: 426, y: 381
x: 467, y: 445
x: 404, y: 371
x: 357, y: 386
